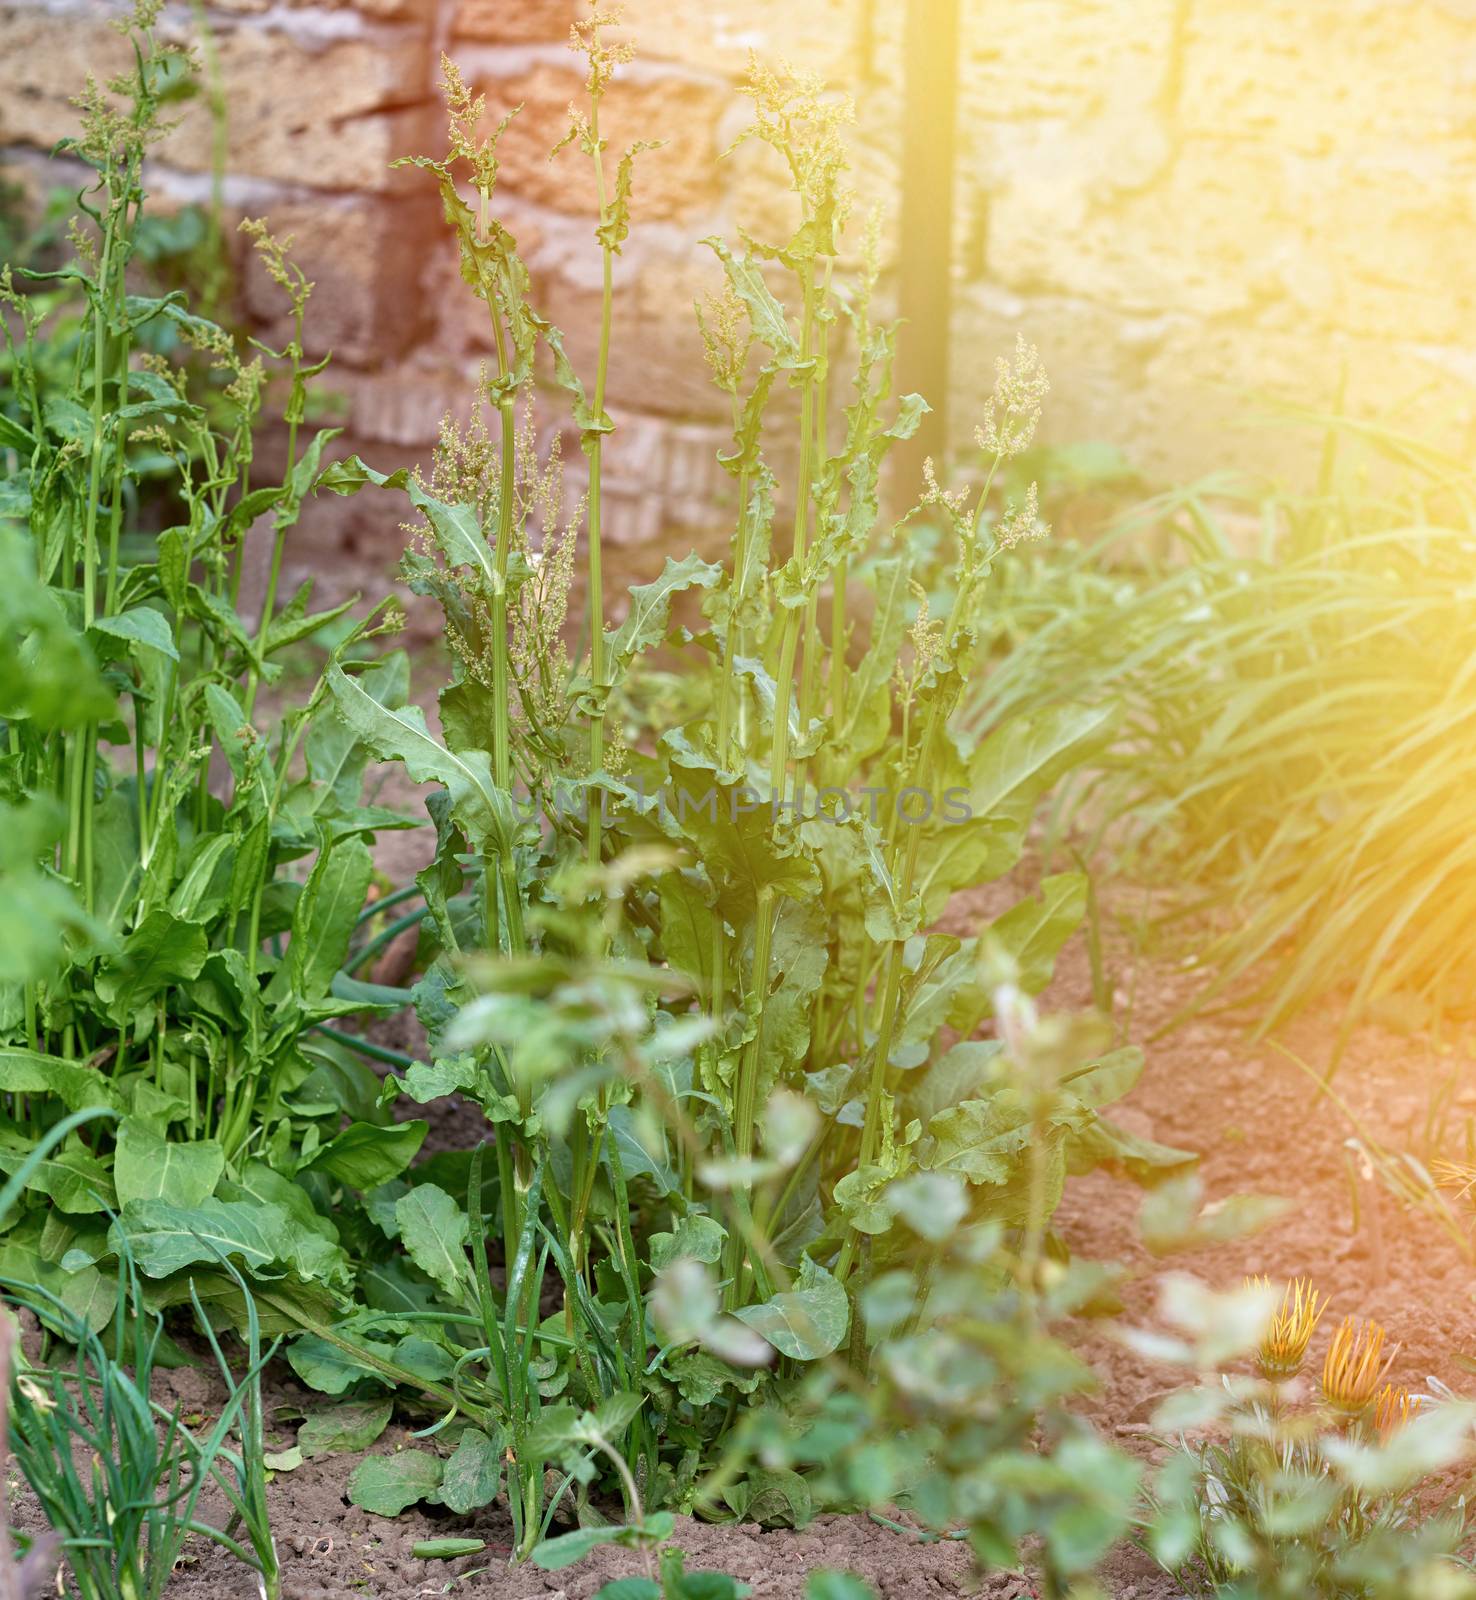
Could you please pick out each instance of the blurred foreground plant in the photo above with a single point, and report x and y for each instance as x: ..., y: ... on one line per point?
x: 1270, y: 1494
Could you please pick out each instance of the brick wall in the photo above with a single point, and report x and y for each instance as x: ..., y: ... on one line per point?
x: 1181, y: 201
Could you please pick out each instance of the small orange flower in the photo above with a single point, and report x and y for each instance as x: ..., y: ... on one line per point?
x: 1354, y: 1365
x: 1394, y: 1407
x: 1284, y: 1344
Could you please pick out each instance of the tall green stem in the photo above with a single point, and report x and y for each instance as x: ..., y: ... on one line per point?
x: 596, y: 497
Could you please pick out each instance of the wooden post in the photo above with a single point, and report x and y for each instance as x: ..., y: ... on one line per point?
x: 925, y: 264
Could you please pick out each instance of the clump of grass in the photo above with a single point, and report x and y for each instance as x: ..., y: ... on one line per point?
x: 1298, y: 728
x: 118, y: 1476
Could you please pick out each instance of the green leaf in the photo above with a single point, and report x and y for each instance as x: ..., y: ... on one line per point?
x: 629, y: 1589
x: 355, y: 1425
x: 1103, y: 1143
x: 980, y: 1139
x: 698, y: 1236
x: 473, y: 1473
x: 1174, y: 1216
x: 141, y: 626
x: 627, y: 1147
x: 482, y: 809
x: 1101, y: 1082
x: 649, y: 616
x: 1021, y: 759
x: 147, y: 1166
x: 457, y: 531
x: 165, y: 1237
x: 806, y: 1322
x: 364, y: 1156
x: 433, y: 1229
x: 774, y: 1497
x: 1033, y: 932
x: 233, y: 731
x: 74, y: 1179
x: 326, y: 914
x: 567, y: 1548
x: 326, y: 1367
x: 30, y: 1072
x: 385, y: 1485
x: 164, y: 949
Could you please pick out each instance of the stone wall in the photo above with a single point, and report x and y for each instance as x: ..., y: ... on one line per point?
x: 1182, y: 202
x: 1188, y: 203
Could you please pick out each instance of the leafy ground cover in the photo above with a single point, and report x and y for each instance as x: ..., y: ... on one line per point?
x: 748, y: 1198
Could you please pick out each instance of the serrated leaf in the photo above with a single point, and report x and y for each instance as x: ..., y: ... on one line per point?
x: 482, y: 809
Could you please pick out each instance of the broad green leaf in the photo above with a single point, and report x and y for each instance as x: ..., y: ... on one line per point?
x: 38, y: 911
x: 433, y: 1229
x: 1021, y: 759
x: 385, y: 1485
x: 164, y: 1237
x: 962, y: 1073
x: 1103, y: 1143
x: 473, y: 1473
x: 162, y: 950
x: 567, y: 1548
x: 147, y: 1166
x: 74, y: 1179
x: 76, y: 1086
x: 364, y: 1156
x: 1033, y: 932
x: 629, y: 1589
x: 142, y: 627
x: 807, y: 1321
x: 326, y: 1367
x: 697, y: 1236
x: 354, y: 1425
x: 628, y: 1147
x: 982, y: 1139
x: 1108, y: 1079
x: 326, y: 914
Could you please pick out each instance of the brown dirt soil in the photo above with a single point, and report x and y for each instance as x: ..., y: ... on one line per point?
x: 1258, y: 1124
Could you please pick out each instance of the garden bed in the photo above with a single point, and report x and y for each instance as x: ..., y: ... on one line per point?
x: 1258, y: 1124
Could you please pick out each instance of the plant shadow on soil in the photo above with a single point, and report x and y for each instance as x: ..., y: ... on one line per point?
x: 1246, y: 1108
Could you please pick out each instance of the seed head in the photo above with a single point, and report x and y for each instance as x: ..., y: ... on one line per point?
x: 722, y: 321
x: 1284, y: 1344
x: 1021, y: 522
x: 1393, y: 1407
x: 1354, y: 1365
x: 1020, y: 388
x: 795, y: 115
